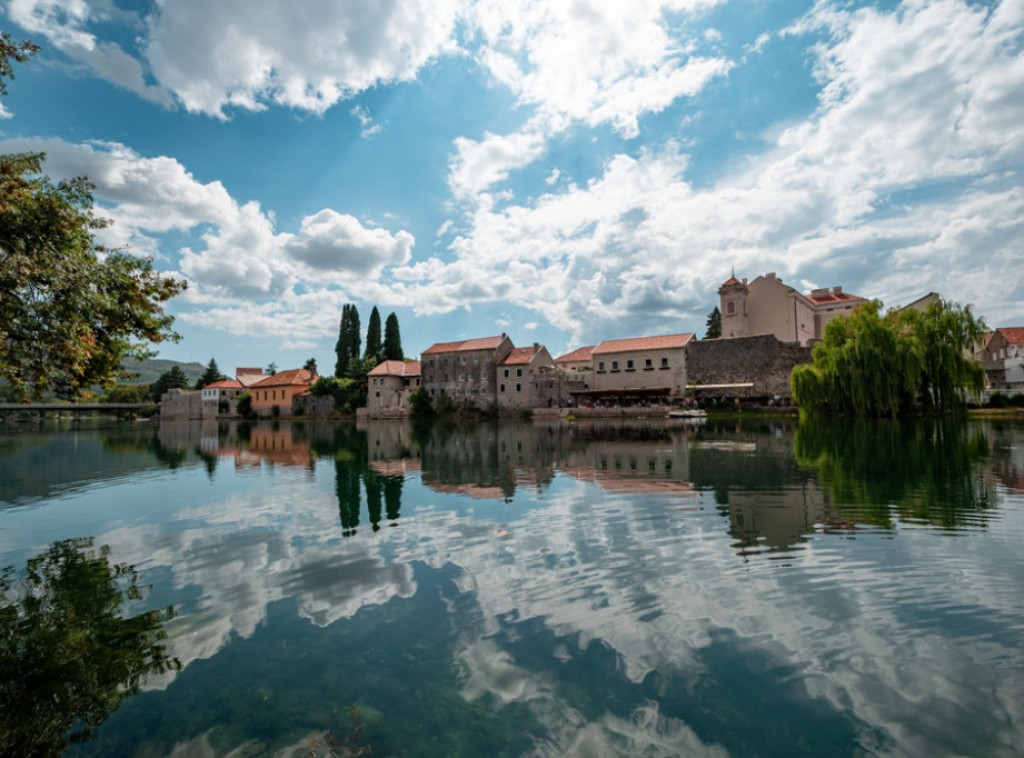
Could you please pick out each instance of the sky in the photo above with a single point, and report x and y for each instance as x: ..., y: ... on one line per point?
x: 560, y: 171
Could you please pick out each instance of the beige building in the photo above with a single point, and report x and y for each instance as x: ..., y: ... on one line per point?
x: 389, y: 385
x: 638, y: 370
x: 465, y: 371
x: 768, y: 306
x: 527, y: 379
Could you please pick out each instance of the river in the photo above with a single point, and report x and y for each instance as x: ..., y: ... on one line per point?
x: 742, y: 588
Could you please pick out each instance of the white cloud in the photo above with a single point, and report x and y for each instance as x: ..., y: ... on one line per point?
x: 333, y: 242
x: 64, y: 24
x: 249, y: 53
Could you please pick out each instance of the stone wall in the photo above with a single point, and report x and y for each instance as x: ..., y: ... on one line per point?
x: 761, y: 360
x: 182, y: 404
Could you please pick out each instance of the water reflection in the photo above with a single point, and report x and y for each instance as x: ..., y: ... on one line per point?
x: 927, y: 473
x: 69, y: 653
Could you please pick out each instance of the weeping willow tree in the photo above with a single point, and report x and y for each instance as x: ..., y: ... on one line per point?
x: 897, y: 364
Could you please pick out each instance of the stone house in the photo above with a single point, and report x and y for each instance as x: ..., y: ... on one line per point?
x: 389, y: 385
x: 221, y: 395
x: 278, y: 390
x: 638, y: 370
x: 527, y: 379
x: 465, y: 370
x: 1003, y: 358
x: 768, y: 306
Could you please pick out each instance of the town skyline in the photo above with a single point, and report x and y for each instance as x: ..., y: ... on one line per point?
x: 557, y: 176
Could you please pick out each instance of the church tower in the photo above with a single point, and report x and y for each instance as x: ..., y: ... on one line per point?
x: 733, y: 295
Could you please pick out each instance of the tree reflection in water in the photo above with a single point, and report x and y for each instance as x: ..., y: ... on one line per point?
x: 68, y: 655
x: 928, y: 472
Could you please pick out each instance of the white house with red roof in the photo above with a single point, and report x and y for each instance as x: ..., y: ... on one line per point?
x: 527, y: 379
x: 389, y: 385
x: 1003, y: 358
x: 769, y: 306
x: 465, y: 371
x: 638, y: 370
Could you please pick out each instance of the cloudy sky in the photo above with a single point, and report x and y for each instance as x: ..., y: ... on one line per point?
x: 564, y: 172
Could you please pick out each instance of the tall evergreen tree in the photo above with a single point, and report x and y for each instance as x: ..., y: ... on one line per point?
x: 211, y: 375
x: 173, y: 379
x: 349, y: 340
x: 374, y: 348
x: 714, y: 325
x: 392, y: 340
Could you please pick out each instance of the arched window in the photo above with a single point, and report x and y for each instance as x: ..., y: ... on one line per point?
x: 731, y: 308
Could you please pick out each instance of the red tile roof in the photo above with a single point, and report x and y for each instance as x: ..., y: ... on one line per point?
x: 832, y: 297
x: 482, y: 343
x: 519, y: 355
x: 228, y: 384
x: 731, y: 280
x: 667, y: 341
x: 579, y: 355
x: 1013, y: 334
x: 288, y: 378
x: 396, y: 368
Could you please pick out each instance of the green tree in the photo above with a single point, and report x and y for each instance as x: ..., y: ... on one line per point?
x: 893, y: 365
x: 271, y: 369
x: 69, y: 654
x: 392, y: 339
x: 210, y: 376
x: 714, y: 325
x: 71, y: 312
x: 310, y: 366
x: 172, y: 379
x: 349, y: 340
x: 374, y: 347
x: 10, y: 50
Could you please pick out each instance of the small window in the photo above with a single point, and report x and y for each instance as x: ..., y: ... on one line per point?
x: 519, y: 372
x: 519, y: 388
x: 600, y: 366
x: 629, y: 365
x: 648, y: 363
x: 506, y: 373
x: 731, y: 308
x: 501, y: 388
x: 615, y: 365
x: 664, y: 362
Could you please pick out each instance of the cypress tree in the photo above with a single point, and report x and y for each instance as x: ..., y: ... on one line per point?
x: 211, y: 375
x: 349, y: 340
x: 714, y: 325
x: 374, y: 349
x: 392, y: 340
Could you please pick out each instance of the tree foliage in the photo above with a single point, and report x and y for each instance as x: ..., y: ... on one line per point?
x: 892, y: 365
x: 211, y: 375
x: 70, y: 311
x: 10, y: 50
x: 392, y: 339
x: 374, y: 345
x: 68, y: 652
x: 349, y: 340
x: 174, y: 378
x: 714, y: 325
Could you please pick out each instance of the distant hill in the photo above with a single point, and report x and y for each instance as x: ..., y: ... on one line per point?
x: 150, y: 370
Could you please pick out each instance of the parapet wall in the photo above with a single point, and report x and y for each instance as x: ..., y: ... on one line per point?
x: 761, y: 360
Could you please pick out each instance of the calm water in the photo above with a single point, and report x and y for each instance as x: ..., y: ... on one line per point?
x: 512, y: 589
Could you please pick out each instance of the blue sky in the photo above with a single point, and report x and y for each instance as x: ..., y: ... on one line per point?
x: 564, y: 172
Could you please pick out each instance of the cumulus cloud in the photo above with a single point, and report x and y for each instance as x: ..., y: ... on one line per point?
x: 331, y: 241
x: 250, y: 53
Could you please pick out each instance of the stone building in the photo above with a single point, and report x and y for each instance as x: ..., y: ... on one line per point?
x: 527, y: 379
x: 638, y: 370
x: 768, y: 306
x: 389, y: 385
x: 465, y: 370
x: 751, y: 368
x: 1003, y: 358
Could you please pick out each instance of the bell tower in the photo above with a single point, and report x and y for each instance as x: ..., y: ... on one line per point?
x: 733, y: 296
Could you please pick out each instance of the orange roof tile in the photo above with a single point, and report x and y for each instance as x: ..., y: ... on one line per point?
x: 731, y: 280
x: 287, y: 378
x: 396, y: 368
x: 519, y: 355
x: 667, y: 341
x: 233, y: 384
x: 481, y: 343
x: 833, y: 297
x: 1013, y: 334
x: 579, y: 355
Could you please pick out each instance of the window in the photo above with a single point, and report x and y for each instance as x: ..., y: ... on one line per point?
x: 519, y: 388
x: 615, y: 365
x: 629, y: 365
x: 506, y: 373
x: 519, y: 372
x: 731, y: 308
x: 664, y: 362
x: 501, y: 388
x: 463, y: 360
x: 648, y: 363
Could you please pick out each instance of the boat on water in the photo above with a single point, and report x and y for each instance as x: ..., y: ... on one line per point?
x: 691, y: 413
